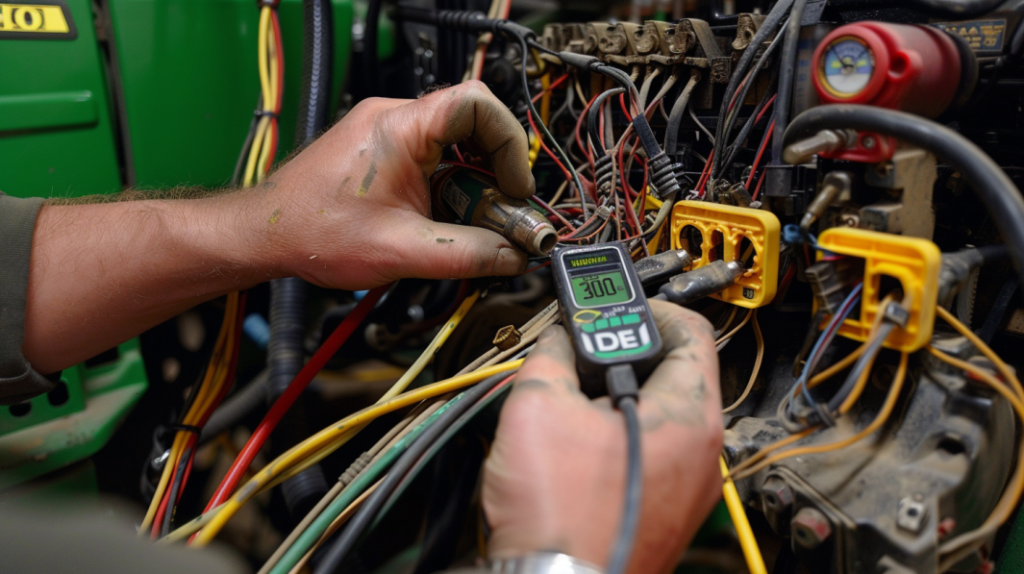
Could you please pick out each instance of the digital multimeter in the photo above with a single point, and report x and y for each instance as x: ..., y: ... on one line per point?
x: 605, y: 310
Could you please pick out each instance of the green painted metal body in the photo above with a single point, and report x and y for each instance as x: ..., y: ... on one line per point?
x: 162, y: 96
x: 56, y: 132
x: 60, y: 428
x: 190, y: 80
x: 181, y: 75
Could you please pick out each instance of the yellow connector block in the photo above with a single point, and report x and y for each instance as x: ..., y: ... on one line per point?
x: 728, y: 226
x: 914, y: 262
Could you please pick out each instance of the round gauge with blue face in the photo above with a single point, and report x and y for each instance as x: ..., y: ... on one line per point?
x: 847, y: 66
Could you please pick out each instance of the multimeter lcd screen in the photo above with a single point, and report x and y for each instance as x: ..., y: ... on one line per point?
x: 600, y: 289
x: 597, y: 279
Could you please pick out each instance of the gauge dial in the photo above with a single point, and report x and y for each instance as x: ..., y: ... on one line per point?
x: 847, y: 66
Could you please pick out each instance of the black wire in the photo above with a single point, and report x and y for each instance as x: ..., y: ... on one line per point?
x: 997, y: 191
x: 730, y: 120
x: 675, y: 118
x: 596, y: 141
x: 540, y: 122
x: 236, y: 176
x: 862, y: 363
x: 443, y: 440
x: 747, y: 127
x: 767, y: 28
x: 787, y: 71
x: 175, y: 491
x: 623, y: 549
x: 368, y: 510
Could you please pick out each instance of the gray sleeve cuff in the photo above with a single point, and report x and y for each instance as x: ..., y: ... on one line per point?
x: 18, y: 381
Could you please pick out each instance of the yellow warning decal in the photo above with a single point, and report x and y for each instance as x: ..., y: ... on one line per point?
x: 46, y: 19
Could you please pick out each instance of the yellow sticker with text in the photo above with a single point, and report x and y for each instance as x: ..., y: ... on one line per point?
x: 39, y: 20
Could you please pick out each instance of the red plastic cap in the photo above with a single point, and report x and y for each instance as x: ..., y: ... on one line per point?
x: 911, y: 68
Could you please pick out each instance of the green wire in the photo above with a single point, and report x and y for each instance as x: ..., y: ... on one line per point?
x: 351, y: 492
x: 441, y: 442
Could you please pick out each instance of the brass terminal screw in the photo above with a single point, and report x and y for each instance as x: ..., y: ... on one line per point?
x: 507, y: 337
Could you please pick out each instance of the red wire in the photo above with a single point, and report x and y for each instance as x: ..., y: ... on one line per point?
x: 279, y: 51
x: 467, y: 166
x: 622, y: 103
x: 544, y: 146
x: 553, y: 85
x: 532, y: 269
x: 579, y: 141
x: 705, y: 173
x: 758, y: 190
x: 765, y: 109
x: 458, y: 154
x: 760, y: 152
x: 193, y: 438
x: 295, y: 388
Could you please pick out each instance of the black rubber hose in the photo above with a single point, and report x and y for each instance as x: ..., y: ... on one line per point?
x: 285, y: 353
x: 787, y: 71
x: 317, y: 69
x: 371, y: 29
x: 231, y: 412
x: 996, y: 190
x: 767, y: 28
x: 363, y: 518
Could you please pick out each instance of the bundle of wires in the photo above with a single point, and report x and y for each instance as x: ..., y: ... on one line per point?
x: 260, y: 146
x: 200, y: 404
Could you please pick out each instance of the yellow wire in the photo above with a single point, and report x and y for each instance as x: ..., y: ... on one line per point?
x: 735, y: 329
x: 262, y: 41
x: 751, y: 552
x: 1003, y: 368
x: 399, y: 386
x: 208, y: 390
x: 545, y: 100
x: 250, y: 166
x: 316, y: 442
x: 879, y: 420
x: 1008, y: 501
x: 757, y: 366
x: 268, y: 142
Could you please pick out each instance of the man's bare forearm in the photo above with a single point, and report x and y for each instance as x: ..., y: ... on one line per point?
x: 101, y: 274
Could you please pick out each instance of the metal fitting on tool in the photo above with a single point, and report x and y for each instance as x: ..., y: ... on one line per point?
x: 659, y: 267
x: 835, y: 186
x: 824, y: 141
x: 465, y: 197
x: 707, y: 280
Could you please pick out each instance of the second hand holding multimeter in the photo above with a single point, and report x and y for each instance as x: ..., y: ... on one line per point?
x: 604, y: 308
x: 617, y: 342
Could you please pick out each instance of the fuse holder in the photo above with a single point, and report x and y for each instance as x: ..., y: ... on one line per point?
x: 727, y: 226
x: 914, y: 262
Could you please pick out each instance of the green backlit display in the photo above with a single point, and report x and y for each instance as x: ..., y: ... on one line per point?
x: 600, y: 289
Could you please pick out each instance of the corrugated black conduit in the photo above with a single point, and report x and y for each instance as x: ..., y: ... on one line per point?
x: 285, y: 354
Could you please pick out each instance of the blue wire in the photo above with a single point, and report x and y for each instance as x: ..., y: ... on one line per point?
x: 847, y: 306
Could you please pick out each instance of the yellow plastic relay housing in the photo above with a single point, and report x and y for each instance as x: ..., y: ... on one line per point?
x: 728, y: 226
x: 914, y: 262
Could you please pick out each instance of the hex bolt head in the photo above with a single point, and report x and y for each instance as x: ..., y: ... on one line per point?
x: 810, y: 527
x: 777, y: 495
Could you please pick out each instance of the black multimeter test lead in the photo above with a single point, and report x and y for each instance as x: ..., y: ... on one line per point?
x: 616, y: 341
